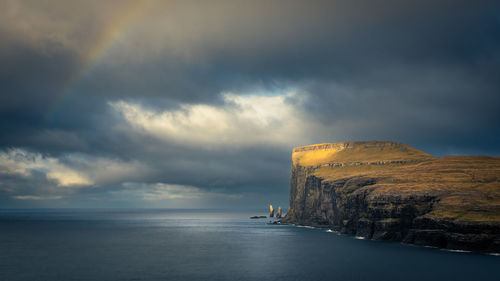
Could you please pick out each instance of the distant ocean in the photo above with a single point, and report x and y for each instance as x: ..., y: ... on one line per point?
x: 209, y: 245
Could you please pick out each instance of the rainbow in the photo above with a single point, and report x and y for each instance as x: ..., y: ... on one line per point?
x: 112, y: 32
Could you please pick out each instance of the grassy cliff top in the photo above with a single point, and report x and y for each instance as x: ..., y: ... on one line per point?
x: 468, y: 186
x: 349, y: 152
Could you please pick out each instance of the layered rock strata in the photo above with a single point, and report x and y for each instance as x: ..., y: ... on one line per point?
x: 391, y: 191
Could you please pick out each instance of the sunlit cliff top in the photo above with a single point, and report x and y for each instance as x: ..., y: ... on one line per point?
x: 355, y: 151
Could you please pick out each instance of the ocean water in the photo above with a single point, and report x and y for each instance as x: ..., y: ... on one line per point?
x: 209, y: 245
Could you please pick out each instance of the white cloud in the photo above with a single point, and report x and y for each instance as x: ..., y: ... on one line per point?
x: 72, y: 170
x: 21, y: 162
x: 37, y: 197
x: 240, y: 121
x: 105, y: 170
x: 163, y: 191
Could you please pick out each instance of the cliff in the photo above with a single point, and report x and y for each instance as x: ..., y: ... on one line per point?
x: 391, y: 191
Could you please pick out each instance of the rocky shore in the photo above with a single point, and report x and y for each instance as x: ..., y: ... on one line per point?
x: 391, y: 191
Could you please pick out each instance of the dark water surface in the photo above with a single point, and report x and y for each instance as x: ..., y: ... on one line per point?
x: 209, y: 245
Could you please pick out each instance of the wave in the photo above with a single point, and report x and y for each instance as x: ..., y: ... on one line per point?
x: 456, y: 251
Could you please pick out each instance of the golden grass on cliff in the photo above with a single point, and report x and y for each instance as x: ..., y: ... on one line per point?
x: 351, y: 152
x: 468, y: 187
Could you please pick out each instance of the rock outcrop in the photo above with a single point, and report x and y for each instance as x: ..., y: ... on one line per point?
x: 391, y: 191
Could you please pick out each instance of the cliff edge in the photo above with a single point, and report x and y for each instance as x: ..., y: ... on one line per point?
x: 390, y: 191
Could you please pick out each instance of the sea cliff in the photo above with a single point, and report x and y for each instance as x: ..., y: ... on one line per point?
x: 390, y: 191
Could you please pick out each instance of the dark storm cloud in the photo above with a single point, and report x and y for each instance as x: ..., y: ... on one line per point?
x: 31, y: 78
x: 424, y: 73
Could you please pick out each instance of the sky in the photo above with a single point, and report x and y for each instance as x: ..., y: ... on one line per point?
x: 198, y: 104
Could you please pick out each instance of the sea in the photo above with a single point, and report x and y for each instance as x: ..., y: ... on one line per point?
x: 169, y: 244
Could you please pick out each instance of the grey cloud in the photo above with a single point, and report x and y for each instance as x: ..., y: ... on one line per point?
x: 421, y: 72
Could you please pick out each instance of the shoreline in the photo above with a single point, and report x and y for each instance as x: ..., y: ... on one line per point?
x: 331, y: 230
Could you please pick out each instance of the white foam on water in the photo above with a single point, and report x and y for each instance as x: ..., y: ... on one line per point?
x: 306, y: 226
x: 310, y: 227
x: 456, y: 251
x: 359, y: 237
x: 333, y: 231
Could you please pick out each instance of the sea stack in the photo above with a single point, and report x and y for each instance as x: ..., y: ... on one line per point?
x: 278, y: 213
x: 385, y: 190
x: 271, y: 211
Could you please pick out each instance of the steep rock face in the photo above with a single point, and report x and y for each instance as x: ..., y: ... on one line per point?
x: 390, y: 191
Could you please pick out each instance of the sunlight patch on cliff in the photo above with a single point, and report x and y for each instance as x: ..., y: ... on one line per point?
x: 349, y: 152
x: 316, y: 157
x: 240, y: 120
